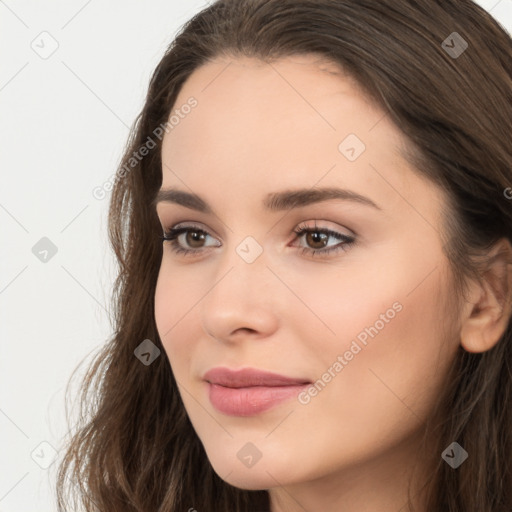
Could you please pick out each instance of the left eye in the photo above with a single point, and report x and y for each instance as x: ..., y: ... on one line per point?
x: 321, y: 236
x: 194, y: 237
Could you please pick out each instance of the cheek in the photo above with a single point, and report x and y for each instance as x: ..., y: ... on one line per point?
x: 393, y: 323
x: 396, y: 345
x: 393, y: 362
x: 172, y: 302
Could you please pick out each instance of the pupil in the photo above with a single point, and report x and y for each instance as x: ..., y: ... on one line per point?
x: 194, y: 236
x: 318, y: 237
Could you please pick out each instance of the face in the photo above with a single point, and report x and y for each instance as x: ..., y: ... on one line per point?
x: 341, y: 293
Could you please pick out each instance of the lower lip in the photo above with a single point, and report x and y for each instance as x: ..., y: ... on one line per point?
x: 252, y: 400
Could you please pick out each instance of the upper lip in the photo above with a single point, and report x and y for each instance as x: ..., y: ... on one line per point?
x: 248, y: 377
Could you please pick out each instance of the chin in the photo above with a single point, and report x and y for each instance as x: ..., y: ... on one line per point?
x: 249, y: 481
x: 253, y: 478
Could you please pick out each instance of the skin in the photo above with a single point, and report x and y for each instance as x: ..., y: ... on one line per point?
x: 261, y: 128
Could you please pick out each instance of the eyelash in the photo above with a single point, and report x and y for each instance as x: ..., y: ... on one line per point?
x: 346, y: 241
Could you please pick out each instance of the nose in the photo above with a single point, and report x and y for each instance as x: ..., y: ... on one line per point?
x: 244, y: 300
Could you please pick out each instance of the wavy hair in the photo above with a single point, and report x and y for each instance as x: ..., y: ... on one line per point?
x: 133, y: 448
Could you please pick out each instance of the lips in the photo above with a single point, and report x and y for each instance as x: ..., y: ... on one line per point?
x: 249, y: 391
x: 249, y: 377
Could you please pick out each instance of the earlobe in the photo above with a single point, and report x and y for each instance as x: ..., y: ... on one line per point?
x: 489, y: 309
x: 479, y: 334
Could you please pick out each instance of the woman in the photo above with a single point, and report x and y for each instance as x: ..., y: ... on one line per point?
x: 313, y: 303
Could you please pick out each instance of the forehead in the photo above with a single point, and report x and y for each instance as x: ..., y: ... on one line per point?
x: 280, y: 125
x: 296, y: 97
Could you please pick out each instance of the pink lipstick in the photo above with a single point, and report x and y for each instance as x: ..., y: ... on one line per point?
x: 249, y: 391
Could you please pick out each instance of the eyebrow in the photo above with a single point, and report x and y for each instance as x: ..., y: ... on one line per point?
x: 274, y: 201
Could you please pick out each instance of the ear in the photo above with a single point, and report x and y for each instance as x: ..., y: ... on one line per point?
x: 486, y: 316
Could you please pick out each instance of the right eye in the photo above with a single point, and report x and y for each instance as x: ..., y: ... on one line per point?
x: 184, y: 237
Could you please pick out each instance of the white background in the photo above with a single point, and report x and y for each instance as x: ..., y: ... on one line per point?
x: 64, y: 121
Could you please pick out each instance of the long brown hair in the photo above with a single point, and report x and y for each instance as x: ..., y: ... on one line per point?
x: 134, y: 448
